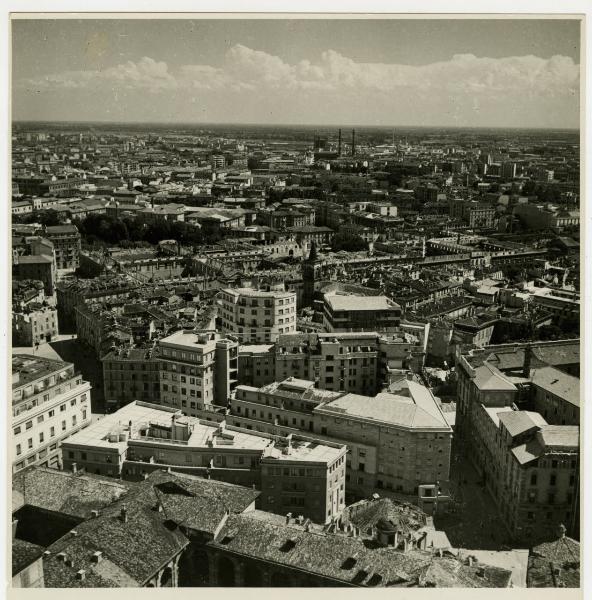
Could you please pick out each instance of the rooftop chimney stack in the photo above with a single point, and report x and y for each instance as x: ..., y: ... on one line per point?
x: 123, y: 514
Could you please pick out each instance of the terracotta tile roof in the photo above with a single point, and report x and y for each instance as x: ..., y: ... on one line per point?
x: 343, y: 559
x: 75, y: 494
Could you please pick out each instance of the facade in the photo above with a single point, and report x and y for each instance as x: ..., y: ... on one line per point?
x: 530, y: 466
x: 363, y: 362
x: 257, y: 316
x: 41, y: 268
x: 294, y: 473
x: 197, y: 370
x: 360, y: 313
x: 50, y: 403
x: 35, y: 324
x: 130, y: 374
x: 66, y: 243
x: 396, y: 441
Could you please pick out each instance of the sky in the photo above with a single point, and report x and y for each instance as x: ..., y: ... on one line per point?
x: 387, y: 72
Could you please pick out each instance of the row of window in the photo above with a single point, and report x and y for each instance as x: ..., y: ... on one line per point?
x: 50, y: 414
x: 52, y: 433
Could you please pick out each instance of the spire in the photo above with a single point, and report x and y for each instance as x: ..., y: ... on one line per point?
x: 313, y: 252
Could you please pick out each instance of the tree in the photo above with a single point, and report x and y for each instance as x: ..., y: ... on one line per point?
x: 349, y: 243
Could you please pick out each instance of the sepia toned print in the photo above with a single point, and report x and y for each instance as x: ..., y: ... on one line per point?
x: 295, y: 302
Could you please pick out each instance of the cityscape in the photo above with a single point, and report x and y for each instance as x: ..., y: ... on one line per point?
x: 303, y: 355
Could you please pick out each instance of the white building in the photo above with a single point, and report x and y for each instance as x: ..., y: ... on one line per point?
x: 50, y: 402
x: 257, y: 316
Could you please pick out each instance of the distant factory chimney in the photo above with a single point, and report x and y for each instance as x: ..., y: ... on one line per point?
x: 339, y: 143
x: 353, y: 142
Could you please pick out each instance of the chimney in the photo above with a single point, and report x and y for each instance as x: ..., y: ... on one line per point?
x: 81, y: 574
x: 300, y: 520
x: 14, y: 526
x: 61, y: 556
x: 123, y: 514
x: 94, y: 514
x: 288, y: 518
x: 74, y: 533
x: 97, y: 557
x: 527, y: 360
x: 409, y: 376
x: 69, y: 562
x: 74, y: 467
x: 561, y: 531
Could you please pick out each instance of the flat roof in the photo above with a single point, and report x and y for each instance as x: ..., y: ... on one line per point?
x: 360, y: 303
x: 30, y: 368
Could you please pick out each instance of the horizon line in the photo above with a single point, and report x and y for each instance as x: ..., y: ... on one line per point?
x: 318, y: 125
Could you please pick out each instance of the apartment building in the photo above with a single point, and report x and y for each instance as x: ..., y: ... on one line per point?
x: 349, y: 312
x: 556, y: 396
x: 197, y: 370
x: 360, y: 362
x: 396, y: 441
x: 257, y: 316
x: 50, y: 402
x: 34, y: 324
x: 39, y: 267
x: 131, y: 374
x: 66, y: 244
x: 530, y: 466
x: 295, y: 474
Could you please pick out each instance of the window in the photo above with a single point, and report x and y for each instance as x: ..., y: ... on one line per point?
x: 40, y: 419
x: 17, y: 430
x: 63, y: 425
x: 62, y: 408
x: 51, y: 431
x: 73, y: 402
x: 18, y: 449
x: 30, y: 442
x: 73, y: 420
x: 533, y: 479
x: 553, y: 479
x: 41, y: 437
x: 51, y: 413
x: 28, y: 424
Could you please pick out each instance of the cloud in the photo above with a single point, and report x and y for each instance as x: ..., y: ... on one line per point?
x: 256, y: 86
x: 245, y: 68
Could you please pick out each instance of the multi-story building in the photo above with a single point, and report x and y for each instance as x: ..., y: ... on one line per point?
x: 295, y: 474
x: 257, y: 316
x: 34, y: 324
x: 530, y: 467
x: 349, y: 312
x: 396, y: 441
x: 197, y: 370
x: 50, y: 402
x: 256, y: 364
x: 40, y: 267
x: 66, y: 243
x: 359, y: 362
x: 131, y: 374
x: 556, y: 396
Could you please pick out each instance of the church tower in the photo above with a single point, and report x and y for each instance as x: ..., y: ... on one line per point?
x: 310, y: 272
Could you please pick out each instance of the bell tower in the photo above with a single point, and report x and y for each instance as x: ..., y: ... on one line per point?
x: 310, y: 272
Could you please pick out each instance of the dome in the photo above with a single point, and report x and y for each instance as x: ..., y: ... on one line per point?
x: 385, y: 526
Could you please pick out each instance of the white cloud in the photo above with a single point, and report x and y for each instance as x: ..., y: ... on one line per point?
x: 245, y: 68
x: 254, y: 85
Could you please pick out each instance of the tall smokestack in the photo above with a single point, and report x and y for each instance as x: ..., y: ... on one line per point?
x: 339, y: 143
x: 353, y: 142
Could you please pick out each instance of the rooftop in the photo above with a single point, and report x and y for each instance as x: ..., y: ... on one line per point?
x: 30, y: 368
x: 419, y: 410
x: 339, y: 302
x: 558, y: 383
